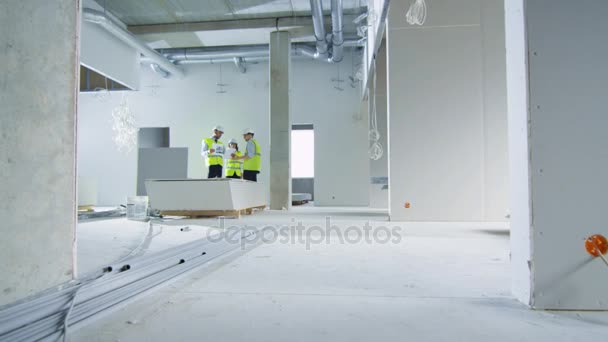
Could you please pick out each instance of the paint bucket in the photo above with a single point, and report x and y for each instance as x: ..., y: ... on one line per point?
x: 137, y: 208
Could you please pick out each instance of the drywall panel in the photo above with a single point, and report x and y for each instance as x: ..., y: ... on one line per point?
x: 519, y: 177
x: 379, y: 168
x: 38, y: 84
x: 436, y: 124
x: 569, y: 159
x: 447, y: 113
x: 153, y: 137
x: 105, y: 54
x: 495, y: 156
x: 191, y: 107
x: 160, y: 163
x: 193, y: 194
x: 303, y: 185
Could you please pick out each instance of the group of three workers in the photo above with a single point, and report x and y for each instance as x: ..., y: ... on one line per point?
x: 249, y: 162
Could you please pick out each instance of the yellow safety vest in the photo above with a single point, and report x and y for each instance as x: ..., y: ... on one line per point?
x: 234, y: 166
x: 255, y: 163
x: 213, y: 159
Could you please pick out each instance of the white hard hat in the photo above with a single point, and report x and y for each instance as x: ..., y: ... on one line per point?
x: 248, y: 131
x: 218, y: 128
x: 232, y: 141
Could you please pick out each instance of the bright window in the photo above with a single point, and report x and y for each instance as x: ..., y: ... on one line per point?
x: 302, y: 153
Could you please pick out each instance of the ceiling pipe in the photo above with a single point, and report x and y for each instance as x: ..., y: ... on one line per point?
x: 316, y: 7
x: 238, y: 61
x: 157, y: 69
x: 216, y: 52
x: 337, y: 37
x: 106, y: 23
x: 239, y: 55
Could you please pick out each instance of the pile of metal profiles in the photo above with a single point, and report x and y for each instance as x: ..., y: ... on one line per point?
x: 42, y: 317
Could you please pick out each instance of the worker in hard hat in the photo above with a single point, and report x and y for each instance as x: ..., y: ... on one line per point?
x: 213, y: 152
x: 234, y: 166
x: 252, y: 161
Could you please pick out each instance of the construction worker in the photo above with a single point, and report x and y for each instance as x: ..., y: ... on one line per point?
x: 234, y: 166
x: 252, y: 164
x: 213, y: 152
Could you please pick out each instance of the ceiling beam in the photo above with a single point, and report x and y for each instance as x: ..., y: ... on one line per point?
x: 281, y: 22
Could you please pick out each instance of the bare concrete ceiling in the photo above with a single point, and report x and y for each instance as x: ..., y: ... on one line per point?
x: 149, y: 12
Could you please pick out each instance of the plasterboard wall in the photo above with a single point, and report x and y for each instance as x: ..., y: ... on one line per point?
x: 106, y: 55
x: 567, y: 151
x: 447, y: 118
x: 191, y: 107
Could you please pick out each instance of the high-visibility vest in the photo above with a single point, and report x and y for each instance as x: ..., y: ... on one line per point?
x: 213, y: 159
x: 234, y: 166
x: 255, y: 163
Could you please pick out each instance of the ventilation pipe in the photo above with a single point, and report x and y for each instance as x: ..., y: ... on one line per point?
x: 106, y: 23
x: 316, y: 7
x: 337, y: 37
x: 238, y: 61
x: 157, y: 69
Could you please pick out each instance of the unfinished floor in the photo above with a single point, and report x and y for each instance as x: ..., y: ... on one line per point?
x: 433, y: 282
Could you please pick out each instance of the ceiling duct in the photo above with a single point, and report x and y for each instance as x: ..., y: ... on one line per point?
x: 337, y: 37
x: 240, y: 55
x: 106, y: 23
x: 316, y: 7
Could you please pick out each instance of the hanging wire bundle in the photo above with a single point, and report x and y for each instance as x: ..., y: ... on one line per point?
x: 338, y: 80
x: 123, y: 126
x: 375, y: 150
x: 416, y: 15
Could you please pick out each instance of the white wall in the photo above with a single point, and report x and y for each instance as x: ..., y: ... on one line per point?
x: 517, y: 90
x: 447, y: 113
x: 103, y: 53
x: 566, y: 156
x: 191, y: 107
x: 379, y: 168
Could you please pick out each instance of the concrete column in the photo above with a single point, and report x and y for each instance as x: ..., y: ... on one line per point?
x: 558, y: 161
x: 280, y: 121
x: 38, y: 91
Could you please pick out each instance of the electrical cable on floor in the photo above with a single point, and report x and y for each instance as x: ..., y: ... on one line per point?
x: 416, y: 15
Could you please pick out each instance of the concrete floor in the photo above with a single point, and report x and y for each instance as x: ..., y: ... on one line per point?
x: 438, y: 282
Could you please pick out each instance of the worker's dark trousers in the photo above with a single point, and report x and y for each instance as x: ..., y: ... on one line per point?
x: 251, y: 175
x: 215, y: 171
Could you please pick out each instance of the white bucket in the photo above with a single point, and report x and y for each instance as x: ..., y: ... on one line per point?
x: 137, y: 208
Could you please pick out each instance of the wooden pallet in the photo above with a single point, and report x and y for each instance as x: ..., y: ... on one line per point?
x: 211, y: 213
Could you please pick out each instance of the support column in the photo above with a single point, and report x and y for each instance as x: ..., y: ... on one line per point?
x: 280, y: 121
x: 558, y: 161
x: 38, y: 91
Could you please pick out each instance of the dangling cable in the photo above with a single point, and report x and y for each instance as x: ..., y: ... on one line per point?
x: 375, y: 151
x: 416, y: 15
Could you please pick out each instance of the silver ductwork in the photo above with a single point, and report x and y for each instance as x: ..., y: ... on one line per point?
x: 157, y: 69
x: 240, y: 64
x: 337, y: 26
x: 216, y: 52
x: 240, y: 55
x: 106, y: 23
x: 316, y: 7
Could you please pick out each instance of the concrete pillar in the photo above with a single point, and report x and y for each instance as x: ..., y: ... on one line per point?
x: 38, y: 91
x: 280, y: 121
x: 557, y: 139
